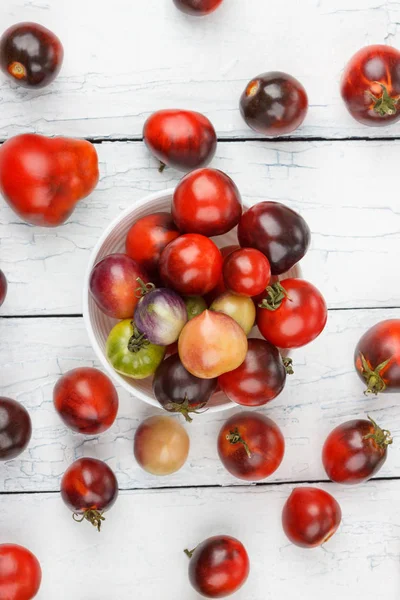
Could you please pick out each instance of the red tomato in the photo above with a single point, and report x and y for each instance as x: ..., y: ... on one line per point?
x: 310, y: 517
x: 206, y: 201
x: 197, y: 8
x: 355, y: 451
x: 20, y: 573
x: 220, y: 288
x: 218, y: 567
x: 246, y: 272
x: 259, y: 379
x: 377, y: 357
x: 371, y: 85
x: 250, y: 446
x: 295, y: 313
x: 148, y: 237
x: 191, y: 265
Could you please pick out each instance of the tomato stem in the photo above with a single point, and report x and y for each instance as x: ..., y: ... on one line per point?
x: 138, y: 340
x: 373, y: 377
x: 385, y: 104
x: 234, y: 437
x: 144, y: 288
x: 184, y: 408
x: 161, y: 167
x: 189, y: 553
x: 382, y: 437
x: 275, y: 295
x: 288, y: 364
x: 92, y: 515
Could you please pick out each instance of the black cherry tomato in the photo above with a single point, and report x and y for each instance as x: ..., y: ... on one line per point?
x: 15, y: 428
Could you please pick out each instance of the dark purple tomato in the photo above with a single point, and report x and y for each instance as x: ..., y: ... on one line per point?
x: 197, y: 8
x: 3, y: 287
x: 277, y: 231
x: 15, y: 428
x: 177, y: 390
x: 30, y: 54
x: 274, y: 103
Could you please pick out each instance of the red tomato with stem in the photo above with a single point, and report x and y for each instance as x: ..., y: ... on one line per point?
x: 371, y: 85
x: 250, y: 446
x: 20, y: 573
x: 218, y: 567
x: 208, y: 202
x: 246, y: 272
x: 292, y: 314
x: 377, y: 357
x: 191, y: 265
x: 310, y: 517
x: 355, y: 451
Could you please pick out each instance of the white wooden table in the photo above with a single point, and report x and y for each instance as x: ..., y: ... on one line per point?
x: 123, y: 61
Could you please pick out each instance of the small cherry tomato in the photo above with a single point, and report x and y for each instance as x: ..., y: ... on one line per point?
x: 195, y: 305
x: 89, y: 488
x: 260, y: 378
x: 86, y: 400
x: 250, y: 446
x: 148, y: 237
x: 377, y: 357
x: 3, y: 287
x: 355, y: 451
x: 292, y: 314
x: 246, y: 272
x: 240, y: 308
x: 218, y: 567
x: 310, y: 517
x: 206, y: 201
x: 197, y: 8
x: 274, y: 103
x: 191, y: 265
x: 20, y: 573
x: 161, y: 445
x: 15, y: 428
x: 370, y: 85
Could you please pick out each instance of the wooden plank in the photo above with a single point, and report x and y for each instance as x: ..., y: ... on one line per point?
x: 139, y: 552
x: 126, y: 63
x: 354, y: 218
x: 323, y: 392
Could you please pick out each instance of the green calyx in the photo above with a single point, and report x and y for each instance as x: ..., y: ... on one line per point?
x: 234, y: 437
x: 185, y: 409
x: 144, y: 288
x: 288, y: 364
x: 385, y: 105
x: 382, y: 437
x: 92, y: 515
x: 275, y: 295
x: 373, y: 377
x: 137, y: 341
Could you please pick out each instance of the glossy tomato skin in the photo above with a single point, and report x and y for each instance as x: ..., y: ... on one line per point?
x: 246, y: 272
x: 251, y: 446
x: 278, y: 232
x: 3, y: 287
x: 355, y: 451
x: 148, y: 237
x: 310, y: 517
x: 274, y: 103
x: 206, y: 201
x: 182, y: 139
x: 377, y: 357
x: 20, y: 573
x: 15, y: 428
x: 219, y: 567
x: 240, y: 308
x: 299, y: 318
x: 86, y: 400
x: 30, y: 55
x: 220, y: 288
x: 259, y: 379
x: 197, y: 8
x: 191, y: 265
x: 42, y: 179
x: 370, y: 85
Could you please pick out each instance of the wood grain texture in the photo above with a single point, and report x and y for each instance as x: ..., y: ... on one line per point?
x: 139, y: 553
x: 123, y: 64
x: 343, y: 189
x: 323, y: 392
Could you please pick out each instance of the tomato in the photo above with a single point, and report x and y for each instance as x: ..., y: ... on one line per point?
x: 377, y: 357
x: 355, y: 451
x: 260, y: 378
x: 250, y: 446
x: 292, y: 314
x: 370, y: 85
x: 15, y: 428
x: 89, y: 488
x: 3, y: 287
x: 20, y: 573
x: 161, y: 445
x: 274, y: 103
x: 130, y: 353
x: 197, y: 8
x: 220, y: 288
x: 195, y: 305
x: 182, y: 139
x: 212, y: 344
x: 86, y: 400
x: 191, y: 265
x: 206, y: 201
x: 218, y: 567
x: 240, y: 308
x: 148, y: 237
x: 160, y: 315
x: 246, y: 271
x: 278, y: 232
x: 310, y: 517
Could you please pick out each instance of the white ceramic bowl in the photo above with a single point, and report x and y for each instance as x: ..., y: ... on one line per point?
x: 99, y: 325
